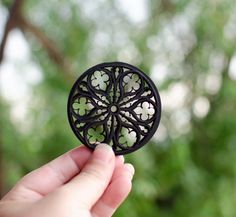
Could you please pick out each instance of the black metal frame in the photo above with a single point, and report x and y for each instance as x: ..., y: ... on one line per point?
x: 114, y: 97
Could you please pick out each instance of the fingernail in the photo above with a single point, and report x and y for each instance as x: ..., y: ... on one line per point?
x: 131, y: 169
x: 104, y: 152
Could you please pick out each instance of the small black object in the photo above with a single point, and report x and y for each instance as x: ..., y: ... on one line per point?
x: 114, y: 103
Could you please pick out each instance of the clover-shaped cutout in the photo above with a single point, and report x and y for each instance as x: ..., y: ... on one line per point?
x: 127, y: 137
x: 82, y: 105
x: 145, y: 110
x: 95, y: 134
x: 131, y: 82
x: 100, y: 80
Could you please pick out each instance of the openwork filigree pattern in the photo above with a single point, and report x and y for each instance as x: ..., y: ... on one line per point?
x: 114, y: 103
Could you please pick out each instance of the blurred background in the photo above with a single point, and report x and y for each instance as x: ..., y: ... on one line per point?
x: 188, y: 48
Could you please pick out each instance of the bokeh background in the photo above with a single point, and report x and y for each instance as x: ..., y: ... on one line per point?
x: 188, y: 48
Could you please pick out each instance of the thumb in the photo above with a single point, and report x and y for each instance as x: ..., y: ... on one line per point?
x: 94, y: 178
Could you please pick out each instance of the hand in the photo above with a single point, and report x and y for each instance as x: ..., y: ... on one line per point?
x: 80, y: 183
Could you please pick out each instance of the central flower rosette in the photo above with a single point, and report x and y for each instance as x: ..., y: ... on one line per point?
x: 114, y: 105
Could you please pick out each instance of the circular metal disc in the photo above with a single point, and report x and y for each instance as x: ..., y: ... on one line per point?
x: 114, y: 103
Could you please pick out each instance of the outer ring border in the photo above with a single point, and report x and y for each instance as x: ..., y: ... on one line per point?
x: 149, y: 81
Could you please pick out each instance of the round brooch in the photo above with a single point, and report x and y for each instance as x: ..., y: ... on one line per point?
x: 114, y: 103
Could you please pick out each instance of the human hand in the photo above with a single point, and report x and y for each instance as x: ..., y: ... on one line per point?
x: 80, y: 183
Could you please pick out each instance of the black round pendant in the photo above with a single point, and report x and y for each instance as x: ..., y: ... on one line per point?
x: 114, y: 103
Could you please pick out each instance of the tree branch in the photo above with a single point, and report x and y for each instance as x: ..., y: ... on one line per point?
x: 47, y: 44
x: 10, y: 24
x: 17, y: 20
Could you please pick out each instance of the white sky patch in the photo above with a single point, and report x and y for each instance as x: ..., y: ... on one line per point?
x: 19, y: 111
x: 176, y: 37
x: 230, y: 27
x: 136, y: 10
x: 159, y: 72
x: 217, y: 62
x: 232, y: 68
x: 12, y: 86
x: 101, y: 38
x: 32, y: 73
x: 17, y: 75
x: 175, y: 97
x: 17, y: 49
x: 181, y: 121
x: 152, y: 43
x: 201, y: 107
x: 88, y: 7
x: 161, y: 133
x: 213, y: 83
x: 130, y: 54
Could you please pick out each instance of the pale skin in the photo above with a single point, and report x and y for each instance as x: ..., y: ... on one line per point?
x: 80, y: 183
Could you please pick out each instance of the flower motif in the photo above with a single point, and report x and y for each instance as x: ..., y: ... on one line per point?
x: 96, y: 134
x: 118, y: 106
x: 145, y: 110
x: 82, y: 106
x: 127, y: 137
x: 131, y: 82
x: 99, y: 80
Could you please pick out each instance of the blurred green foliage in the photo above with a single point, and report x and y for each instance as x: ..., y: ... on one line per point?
x: 188, y: 169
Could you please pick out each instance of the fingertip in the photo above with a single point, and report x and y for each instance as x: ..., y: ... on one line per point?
x: 126, y: 170
x: 113, y: 197
x: 104, y: 152
x: 130, y: 168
